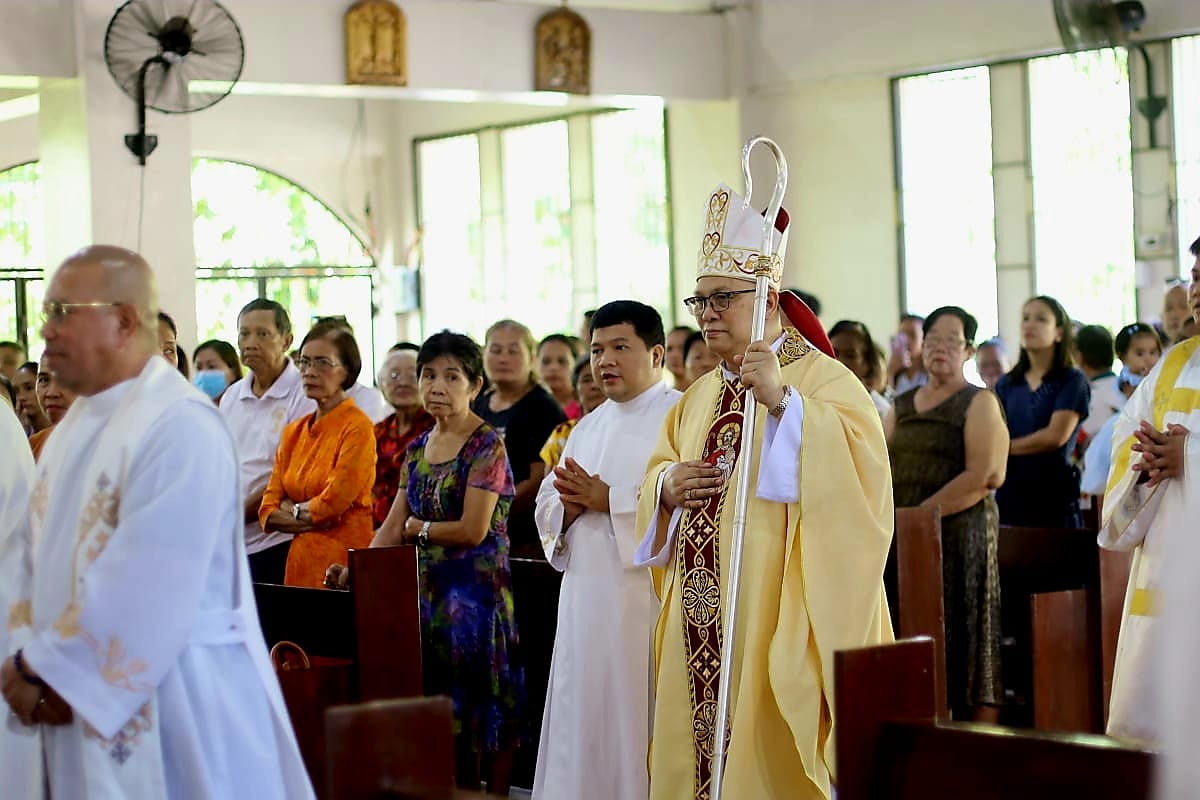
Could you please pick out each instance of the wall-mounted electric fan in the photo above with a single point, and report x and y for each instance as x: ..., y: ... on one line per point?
x: 1091, y: 24
x: 175, y: 56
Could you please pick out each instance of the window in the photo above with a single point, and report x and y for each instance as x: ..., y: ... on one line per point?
x: 946, y: 193
x: 452, y: 236
x: 633, y: 254
x: 259, y: 235
x: 535, y: 280
x: 21, y: 256
x: 1185, y: 61
x: 1081, y: 156
x: 539, y: 222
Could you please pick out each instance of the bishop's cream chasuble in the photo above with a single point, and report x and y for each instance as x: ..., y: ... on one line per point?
x: 811, y: 583
x: 1152, y: 523
x: 135, y: 605
x: 597, y: 718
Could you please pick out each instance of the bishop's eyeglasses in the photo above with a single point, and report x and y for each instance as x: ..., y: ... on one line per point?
x: 717, y: 301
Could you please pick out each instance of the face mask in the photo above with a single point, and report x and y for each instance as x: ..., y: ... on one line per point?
x: 210, y: 381
x: 1130, y: 378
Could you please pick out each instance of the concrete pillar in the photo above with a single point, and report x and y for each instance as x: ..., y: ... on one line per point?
x: 95, y: 191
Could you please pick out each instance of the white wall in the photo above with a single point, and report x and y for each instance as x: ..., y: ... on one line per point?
x: 837, y: 138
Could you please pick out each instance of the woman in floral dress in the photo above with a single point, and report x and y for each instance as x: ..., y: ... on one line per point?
x: 458, y: 487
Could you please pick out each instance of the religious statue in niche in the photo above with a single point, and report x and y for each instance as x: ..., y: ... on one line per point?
x: 376, y: 50
x: 564, y: 53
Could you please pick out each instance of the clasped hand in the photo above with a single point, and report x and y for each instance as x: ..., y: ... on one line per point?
x: 1163, y: 452
x: 33, y: 704
x: 577, y: 490
x: 760, y: 372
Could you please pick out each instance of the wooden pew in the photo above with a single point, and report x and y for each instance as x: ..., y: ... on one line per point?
x: 393, y: 748
x: 364, y: 644
x: 1114, y: 580
x: 1050, y: 601
x: 890, y: 743
x: 1051, y: 592
x: 535, y: 605
x: 922, y: 609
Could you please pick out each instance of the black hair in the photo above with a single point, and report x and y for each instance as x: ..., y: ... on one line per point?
x: 1095, y: 346
x: 343, y: 341
x: 180, y: 363
x: 283, y: 323
x: 692, y: 340
x: 6, y: 386
x: 32, y: 366
x: 690, y: 330
x: 402, y: 347
x: 1126, y: 335
x: 969, y: 323
x: 581, y: 363
x: 223, y: 349
x: 809, y: 299
x: 646, y: 322
x: 870, y: 349
x: 458, y: 346
x: 1062, y: 359
x: 561, y: 339
x: 9, y: 345
x: 1195, y: 248
x: 338, y: 320
x: 910, y: 317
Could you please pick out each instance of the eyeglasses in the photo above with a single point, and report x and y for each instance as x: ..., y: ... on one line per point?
x: 57, y: 311
x: 934, y: 342
x: 320, y: 363
x: 717, y: 301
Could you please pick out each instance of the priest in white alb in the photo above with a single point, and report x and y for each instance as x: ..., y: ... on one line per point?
x: 1152, y: 507
x: 20, y: 746
x: 135, y: 642
x: 597, y: 718
x: 818, y: 526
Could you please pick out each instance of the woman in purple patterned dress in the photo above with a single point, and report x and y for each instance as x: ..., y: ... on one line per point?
x: 458, y: 488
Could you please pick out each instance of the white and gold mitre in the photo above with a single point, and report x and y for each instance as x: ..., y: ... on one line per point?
x: 733, y: 239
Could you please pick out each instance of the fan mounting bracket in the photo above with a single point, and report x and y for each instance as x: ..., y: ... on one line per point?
x: 141, y: 144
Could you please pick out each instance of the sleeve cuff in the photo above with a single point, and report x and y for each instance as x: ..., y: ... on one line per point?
x: 779, y: 466
x: 87, y: 696
x: 645, y: 556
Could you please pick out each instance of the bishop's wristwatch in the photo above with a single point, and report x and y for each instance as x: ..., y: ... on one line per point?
x: 781, y: 406
x: 423, y: 536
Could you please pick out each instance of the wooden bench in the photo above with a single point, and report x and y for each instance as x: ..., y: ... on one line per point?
x: 1061, y: 600
x: 393, y: 748
x: 891, y: 744
x: 364, y: 644
x: 536, y: 586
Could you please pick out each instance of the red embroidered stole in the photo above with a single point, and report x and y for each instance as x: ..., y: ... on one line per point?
x: 699, y: 568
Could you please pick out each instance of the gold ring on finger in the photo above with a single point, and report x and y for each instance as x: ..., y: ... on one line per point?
x: 687, y: 494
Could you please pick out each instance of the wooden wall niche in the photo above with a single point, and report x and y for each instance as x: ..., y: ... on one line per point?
x: 376, y: 44
x: 564, y: 53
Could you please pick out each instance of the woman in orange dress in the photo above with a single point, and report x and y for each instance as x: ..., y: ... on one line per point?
x: 320, y: 488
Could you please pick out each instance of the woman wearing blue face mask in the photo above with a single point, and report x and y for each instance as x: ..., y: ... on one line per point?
x: 1139, y: 349
x: 217, y: 367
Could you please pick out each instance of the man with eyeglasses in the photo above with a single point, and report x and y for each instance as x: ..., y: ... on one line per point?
x: 257, y: 408
x: 136, y: 648
x: 819, y: 523
x: 1151, y: 506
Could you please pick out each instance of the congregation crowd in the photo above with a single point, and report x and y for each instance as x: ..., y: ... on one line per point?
x: 479, y: 452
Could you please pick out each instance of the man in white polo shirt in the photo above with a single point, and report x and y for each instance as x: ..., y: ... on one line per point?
x: 257, y: 408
